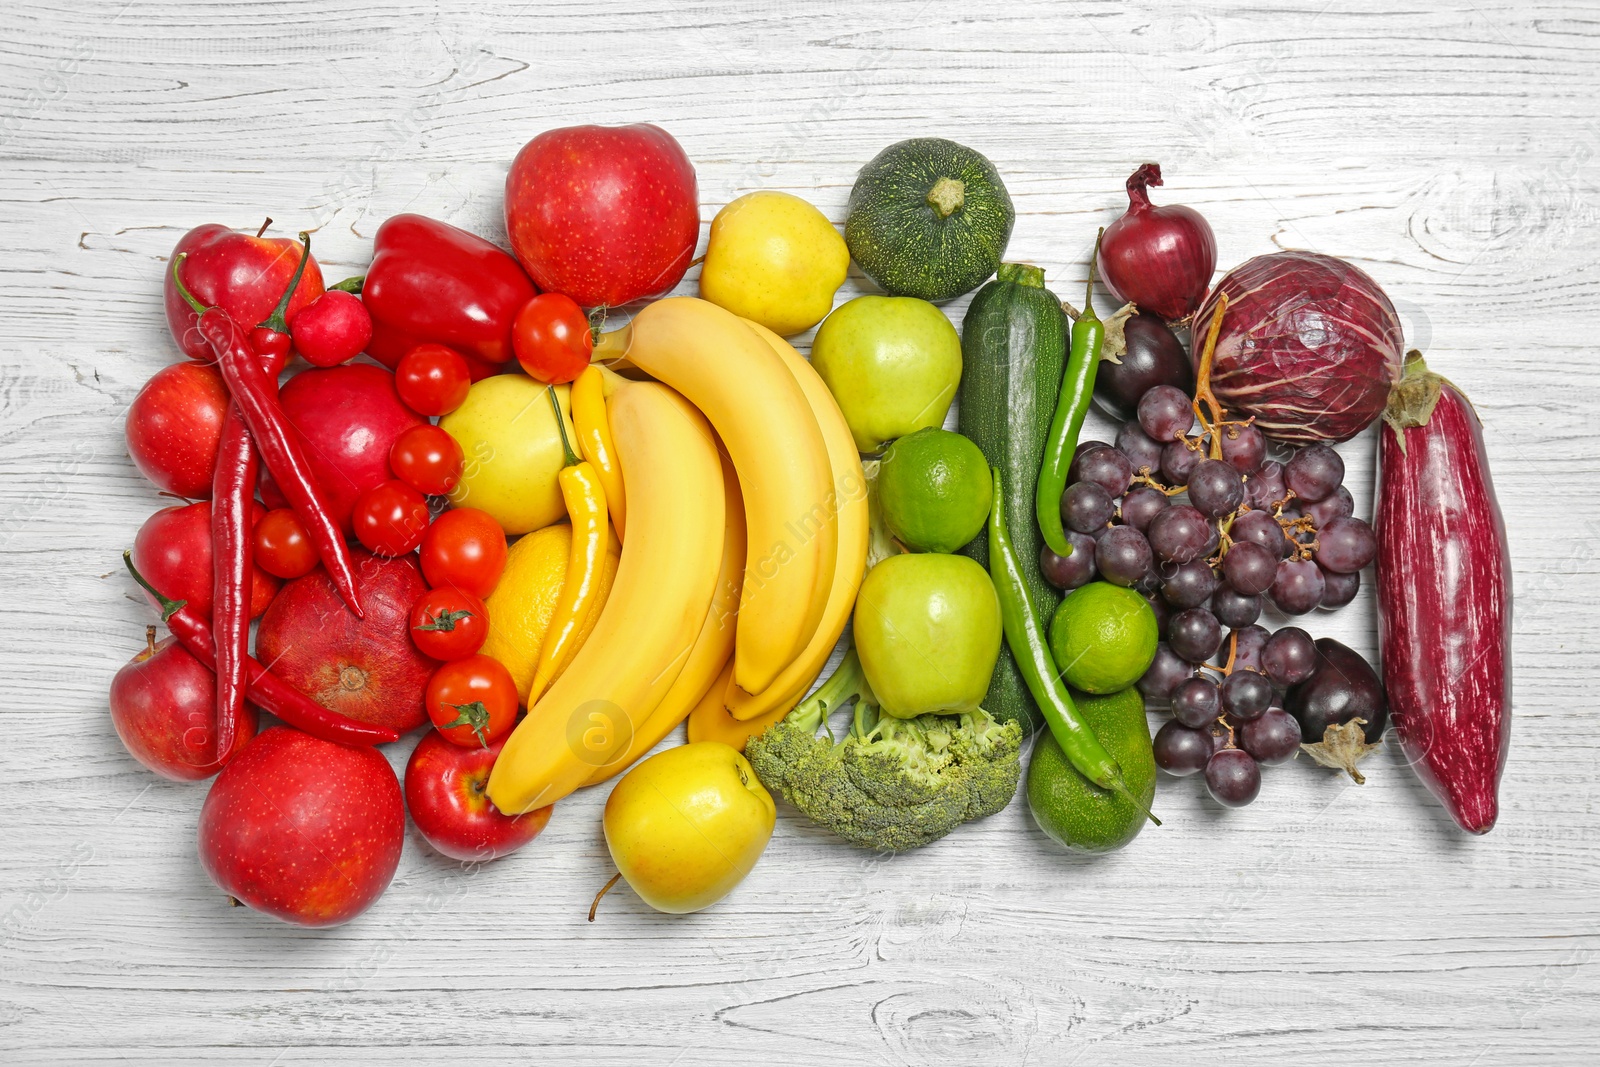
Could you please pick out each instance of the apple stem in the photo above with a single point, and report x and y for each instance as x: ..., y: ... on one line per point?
x: 603, y: 891
x: 149, y: 640
x: 264, y: 226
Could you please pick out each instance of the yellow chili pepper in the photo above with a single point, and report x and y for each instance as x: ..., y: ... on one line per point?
x: 594, y: 439
x: 586, y: 508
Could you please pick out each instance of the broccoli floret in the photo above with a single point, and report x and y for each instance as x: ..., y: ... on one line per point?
x: 890, y: 784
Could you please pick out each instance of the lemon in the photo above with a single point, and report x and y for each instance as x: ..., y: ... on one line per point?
x: 774, y: 259
x: 935, y: 490
x: 521, y: 605
x: 512, y: 451
x: 1103, y: 637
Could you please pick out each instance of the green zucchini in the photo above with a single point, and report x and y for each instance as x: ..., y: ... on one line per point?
x: 1014, y: 351
x: 928, y: 218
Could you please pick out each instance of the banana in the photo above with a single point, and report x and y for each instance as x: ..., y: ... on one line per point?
x: 711, y: 721
x: 713, y: 648
x: 848, y: 503
x: 656, y: 609
x: 728, y: 372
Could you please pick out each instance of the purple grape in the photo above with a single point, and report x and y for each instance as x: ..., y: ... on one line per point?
x: 1165, y: 673
x: 1213, y: 540
x: 1246, y: 694
x: 1234, y: 609
x: 1339, y: 589
x: 1122, y: 555
x: 1338, y: 506
x: 1232, y: 777
x: 1259, y: 527
x: 1290, y: 657
x: 1179, y: 750
x: 1179, y: 534
x: 1195, y: 634
x: 1069, y: 572
x: 1272, y: 739
x: 1215, y: 488
x: 1196, y: 702
x: 1247, y: 643
x: 1141, y: 505
x: 1084, y: 446
x: 1160, y: 609
x: 1244, y: 447
x: 1344, y: 546
x: 1249, y: 568
x: 1314, y: 472
x: 1298, y: 587
x: 1265, y: 487
x: 1178, y: 461
x: 1165, y: 412
x: 1142, y: 452
x: 1188, y: 585
x: 1086, y: 508
x: 1105, y: 467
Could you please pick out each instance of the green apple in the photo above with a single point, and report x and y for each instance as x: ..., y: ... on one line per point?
x: 892, y: 363
x: 927, y: 629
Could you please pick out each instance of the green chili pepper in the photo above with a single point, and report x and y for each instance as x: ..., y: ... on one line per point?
x: 1077, y: 390
x: 1027, y: 640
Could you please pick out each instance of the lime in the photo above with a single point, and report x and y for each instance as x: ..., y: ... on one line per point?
x: 935, y: 490
x: 1103, y: 637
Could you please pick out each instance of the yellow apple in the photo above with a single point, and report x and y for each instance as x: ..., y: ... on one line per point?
x: 512, y: 451
x: 774, y: 259
x: 686, y: 825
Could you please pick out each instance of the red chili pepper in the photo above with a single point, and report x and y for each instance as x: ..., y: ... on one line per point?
x: 430, y: 281
x: 257, y: 400
x: 232, y: 531
x: 265, y: 689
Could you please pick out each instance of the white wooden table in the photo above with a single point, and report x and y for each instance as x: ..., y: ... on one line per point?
x: 1448, y: 148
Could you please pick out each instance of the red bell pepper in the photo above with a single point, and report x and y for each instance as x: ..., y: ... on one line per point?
x: 430, y: 281
x: 243, y: 275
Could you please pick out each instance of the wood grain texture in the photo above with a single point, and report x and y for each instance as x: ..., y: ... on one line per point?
x: 1449, y: 149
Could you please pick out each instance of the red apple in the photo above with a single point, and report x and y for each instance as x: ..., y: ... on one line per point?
x: 365, y: 668
x: 173, y: 550
x: 604, y: 214
x: 243, y: 274
x: 174, y: 426
x: 445, y: 795
x: 348, y: 418
x: 303, y: 829
x: 164, y: 706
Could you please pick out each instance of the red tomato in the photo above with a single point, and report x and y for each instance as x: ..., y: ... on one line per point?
x: 449, y: 624
x: 390, y: 518
x: 427, y: 459
x: 432, y: 379
x: 472, y: 701
x: 552, y: 339
x: 282, y: 546
x: 464, y: 548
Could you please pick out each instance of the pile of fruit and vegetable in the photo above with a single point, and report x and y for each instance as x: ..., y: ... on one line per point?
x: 522, y: 503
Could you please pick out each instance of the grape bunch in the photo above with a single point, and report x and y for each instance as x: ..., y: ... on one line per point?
x: 1211, y: 529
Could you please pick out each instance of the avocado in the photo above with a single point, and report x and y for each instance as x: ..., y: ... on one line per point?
x: 1072, y: 810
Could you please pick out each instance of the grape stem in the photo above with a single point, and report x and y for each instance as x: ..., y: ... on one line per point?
x: 1202, y: 388
x: 1144, y: 478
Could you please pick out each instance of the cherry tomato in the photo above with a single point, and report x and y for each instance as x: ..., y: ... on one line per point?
x: 282, y: 546
x: 427, y: 459
x: 473, y: 701
x: 390, y: 518
x: 551, y: 338
x: 432, y: 379
x: 464, y: 548
x: 449, y: 624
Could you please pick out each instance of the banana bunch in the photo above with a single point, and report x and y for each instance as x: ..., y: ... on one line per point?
x: 747, y: 540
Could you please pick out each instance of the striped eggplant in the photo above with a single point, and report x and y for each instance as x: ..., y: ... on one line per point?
x: 1444, y: 595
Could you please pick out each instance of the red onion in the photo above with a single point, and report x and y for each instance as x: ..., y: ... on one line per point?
x: 1159, y: 258
x: 1309, y: 346
x: 1444, y: 595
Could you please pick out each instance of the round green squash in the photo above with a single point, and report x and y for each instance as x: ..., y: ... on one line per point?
x: 928, y: 218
